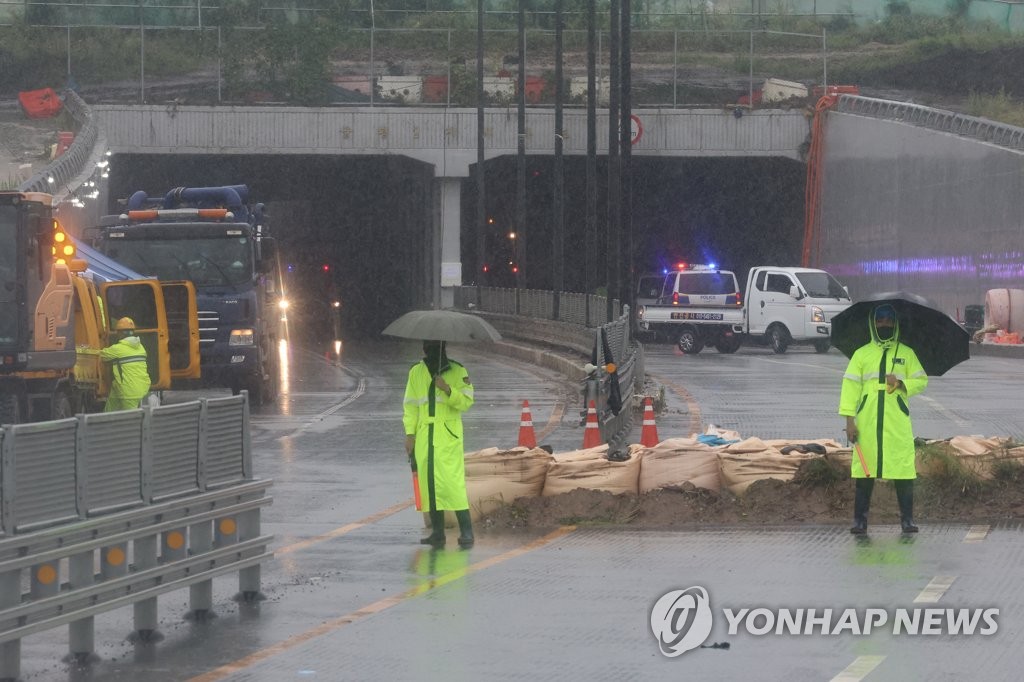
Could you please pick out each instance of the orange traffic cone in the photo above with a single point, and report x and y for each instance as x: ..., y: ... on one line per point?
x: 526, y: 435
x: 592, y: 433
x: 649, y: 432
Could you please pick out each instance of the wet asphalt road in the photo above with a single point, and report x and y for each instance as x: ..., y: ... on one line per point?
x: 351, y: 595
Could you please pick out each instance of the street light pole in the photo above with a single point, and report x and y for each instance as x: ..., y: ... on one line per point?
x: 373, y: 28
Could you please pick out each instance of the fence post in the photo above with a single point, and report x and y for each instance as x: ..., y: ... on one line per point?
x: 10, y: 652
x: 249, y: 578
x: 201, y: 594
x: 81, y: 634
x: 145, y: 553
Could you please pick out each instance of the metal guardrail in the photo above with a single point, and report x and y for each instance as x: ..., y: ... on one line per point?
x: 577, y: 328
x: 160, y: 498
x: 72, y: 162
x: 1000, y: 134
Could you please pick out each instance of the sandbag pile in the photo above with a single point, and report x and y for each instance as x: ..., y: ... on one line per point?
x: 592, y: 469
x: 977, y: 454
x: 714, y: 461
x: 496, y: 477
x: 753, y: 459
x: 677, y: 461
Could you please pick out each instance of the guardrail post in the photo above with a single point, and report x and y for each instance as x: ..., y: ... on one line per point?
x: 81, y: 634
x: 10, y: 652
x: 201, y: 594
x: 246, y: 440
x: 145, y: 610
x: 249, y: 578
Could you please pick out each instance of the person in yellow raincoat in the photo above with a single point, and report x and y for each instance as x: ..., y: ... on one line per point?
x: 127, y: 358
x: 881, y: 377
x: 437, y: 393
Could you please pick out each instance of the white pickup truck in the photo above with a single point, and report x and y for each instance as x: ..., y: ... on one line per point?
x: 699, y: 305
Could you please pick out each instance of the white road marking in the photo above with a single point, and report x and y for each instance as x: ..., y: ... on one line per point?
x: 935, y: 405
x: 977, y: 533
x: 935, y: 589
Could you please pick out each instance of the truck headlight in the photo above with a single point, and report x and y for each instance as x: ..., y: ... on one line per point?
x: 241, y: 337
x: 817, y: 314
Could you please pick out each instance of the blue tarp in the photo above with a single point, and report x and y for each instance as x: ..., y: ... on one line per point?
x: 102, y: 268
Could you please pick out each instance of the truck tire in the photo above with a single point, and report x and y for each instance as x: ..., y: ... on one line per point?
x: 690, y: 341
x: 778, y: 338
x: 728, y: 344
x: 61, y: 408
x: 255, y: 388
x: 822, y: 346
x: 10, y: 409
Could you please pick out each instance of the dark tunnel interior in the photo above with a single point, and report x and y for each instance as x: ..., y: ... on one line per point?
x: 358, y: 228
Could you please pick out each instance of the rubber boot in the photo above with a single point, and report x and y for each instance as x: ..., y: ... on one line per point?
x: 905, y: 499
x: 465, y: 528
x: 436, y: 537
x: 861, y: 504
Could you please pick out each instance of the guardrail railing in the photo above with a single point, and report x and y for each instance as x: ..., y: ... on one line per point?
x: 1001, y: 134
x: 72, y: 162
x: 577, y: 327
x: 159, y: 498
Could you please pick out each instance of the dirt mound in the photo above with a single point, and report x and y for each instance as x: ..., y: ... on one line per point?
x: 813, y: 497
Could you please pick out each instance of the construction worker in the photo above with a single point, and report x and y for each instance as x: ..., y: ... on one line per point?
x: 881, y: 377
x: 437, y: 393
x: 127, y: 359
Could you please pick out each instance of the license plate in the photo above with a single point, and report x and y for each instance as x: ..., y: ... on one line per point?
x: 696, y: 316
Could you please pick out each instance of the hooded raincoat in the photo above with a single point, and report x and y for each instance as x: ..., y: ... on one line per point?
x: 131, y: 375
x: 883, y: 419
x: 440, y: 459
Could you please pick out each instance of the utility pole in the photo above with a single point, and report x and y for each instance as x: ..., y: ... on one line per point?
x: 521, y: 150
x: 591, y: 232
x: 628, y: 294
x: 614, y: 233
x: 481, y: 184
x: 558, y: 247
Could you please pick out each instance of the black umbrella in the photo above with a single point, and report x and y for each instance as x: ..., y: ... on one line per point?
x: 939, y: 341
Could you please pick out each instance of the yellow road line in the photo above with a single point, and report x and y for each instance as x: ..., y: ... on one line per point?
x: 347, y: 528
x: 692, y: 406
x: 556, y: 417
x: 859, y: 669
x: 376, y: 607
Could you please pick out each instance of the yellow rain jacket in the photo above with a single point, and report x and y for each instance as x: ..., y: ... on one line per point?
x: 440, y: 459
x: 131, y: 375
x: 883, y: 419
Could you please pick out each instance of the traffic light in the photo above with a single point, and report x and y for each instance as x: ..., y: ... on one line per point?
x: 325, y: 267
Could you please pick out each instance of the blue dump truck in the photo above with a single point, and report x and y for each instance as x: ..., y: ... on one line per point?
x: 214, y: 238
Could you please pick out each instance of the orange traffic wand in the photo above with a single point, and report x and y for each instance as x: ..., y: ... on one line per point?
x: 527, y: 438
x: 860, y: 455
x: 415, y: 484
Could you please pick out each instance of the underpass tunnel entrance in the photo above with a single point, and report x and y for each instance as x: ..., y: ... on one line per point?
x: 737, y: 212
x: 359, y: 231
x: 352, y: 230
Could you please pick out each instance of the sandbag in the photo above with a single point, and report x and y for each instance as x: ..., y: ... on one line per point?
x: 496, y: 477
x: 676, y: 461
x: 741, y: 464
x: 979, y: 455
x: 590, y: 469
x: 839, y: 456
